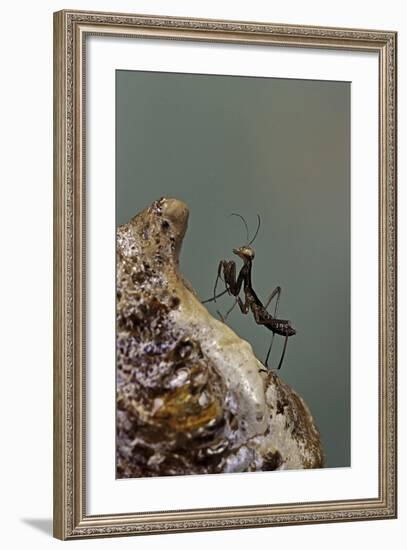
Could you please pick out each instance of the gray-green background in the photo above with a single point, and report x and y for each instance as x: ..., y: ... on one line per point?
x: 277, y: 147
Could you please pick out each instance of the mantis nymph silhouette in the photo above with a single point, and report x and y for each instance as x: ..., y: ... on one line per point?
x: 251, y: 302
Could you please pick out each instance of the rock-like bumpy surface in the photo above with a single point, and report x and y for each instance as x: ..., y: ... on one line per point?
x: 190, y: 395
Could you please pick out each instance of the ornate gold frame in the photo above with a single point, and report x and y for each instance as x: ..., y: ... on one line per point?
x: 70, y: 31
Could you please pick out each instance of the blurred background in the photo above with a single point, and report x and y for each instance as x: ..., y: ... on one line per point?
x: 274, y: 147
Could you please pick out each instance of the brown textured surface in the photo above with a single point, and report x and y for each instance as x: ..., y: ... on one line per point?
x: 181, y: 406
x: 169, y: 393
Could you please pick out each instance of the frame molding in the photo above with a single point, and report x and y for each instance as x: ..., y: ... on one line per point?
x: 70, y: 31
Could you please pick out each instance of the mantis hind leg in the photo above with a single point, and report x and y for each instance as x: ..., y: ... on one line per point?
x: 269, y: 350
x: 283, y: 353
x: 276, y: 292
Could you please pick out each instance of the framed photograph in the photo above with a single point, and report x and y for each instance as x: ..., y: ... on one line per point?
x: 225, y: 274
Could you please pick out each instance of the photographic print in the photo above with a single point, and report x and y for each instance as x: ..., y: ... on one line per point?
x: 224, y: 274
x: 233, y: 274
